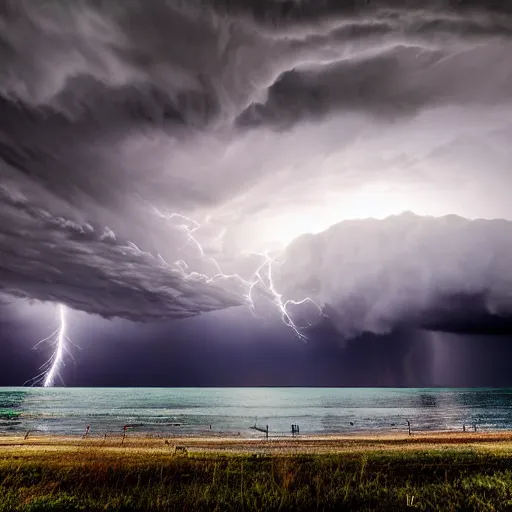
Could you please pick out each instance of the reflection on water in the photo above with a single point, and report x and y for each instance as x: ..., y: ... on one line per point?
x: 11, y: 401
x: 427, y: 400
x: 193, y: 410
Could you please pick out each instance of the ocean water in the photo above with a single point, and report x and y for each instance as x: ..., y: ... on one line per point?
x: 191, y: 411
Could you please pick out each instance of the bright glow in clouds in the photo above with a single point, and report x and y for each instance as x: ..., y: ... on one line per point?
x: 262, y: 277
x: 377, y: 200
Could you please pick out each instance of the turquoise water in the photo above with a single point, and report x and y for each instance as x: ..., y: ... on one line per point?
x: 186, y: 411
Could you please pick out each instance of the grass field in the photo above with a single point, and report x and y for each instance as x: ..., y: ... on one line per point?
x: 359, y: 474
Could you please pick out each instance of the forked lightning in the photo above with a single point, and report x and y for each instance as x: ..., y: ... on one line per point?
x: 189, y: 226
x: 262, y: 277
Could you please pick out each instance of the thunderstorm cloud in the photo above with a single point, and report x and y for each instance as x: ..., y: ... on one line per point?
x: 261, y: 121
x: 444, y: 273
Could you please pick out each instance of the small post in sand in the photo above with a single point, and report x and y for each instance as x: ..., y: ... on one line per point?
x: 409, y: 426
x: 260, y: 429
x: 26, y: 435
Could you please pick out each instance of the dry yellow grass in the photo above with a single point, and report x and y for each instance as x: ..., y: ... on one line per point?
x: 283, y: 445
x: 444, y: 471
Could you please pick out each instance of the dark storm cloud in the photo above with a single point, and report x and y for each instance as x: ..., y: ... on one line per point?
x: 53, y: 259
x: 109, y: 109
x: 210, y: 65
x: 91, y: 88
x: 296, y: 10
x: 397, y: 82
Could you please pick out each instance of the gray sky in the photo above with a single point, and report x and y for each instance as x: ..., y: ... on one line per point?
x: 262, y: 121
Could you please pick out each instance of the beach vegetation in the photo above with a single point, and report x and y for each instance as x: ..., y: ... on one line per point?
x: 92, y: 479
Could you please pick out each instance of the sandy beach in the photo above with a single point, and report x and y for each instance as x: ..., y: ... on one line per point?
x: 274, y: 445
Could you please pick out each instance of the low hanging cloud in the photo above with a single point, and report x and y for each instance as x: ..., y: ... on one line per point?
x: 252, y: 118
x: 53, y: 259
x: 406, y: 271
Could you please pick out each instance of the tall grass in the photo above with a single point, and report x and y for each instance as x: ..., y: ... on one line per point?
x: 94, y: 480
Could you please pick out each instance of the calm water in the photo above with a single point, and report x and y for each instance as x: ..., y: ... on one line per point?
x: 230, y: 410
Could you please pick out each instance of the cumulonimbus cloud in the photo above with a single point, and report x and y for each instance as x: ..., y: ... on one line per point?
x: 234, y: 114
x: 406, y: 271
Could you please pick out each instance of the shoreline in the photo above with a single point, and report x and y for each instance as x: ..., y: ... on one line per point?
x: 278, y: 444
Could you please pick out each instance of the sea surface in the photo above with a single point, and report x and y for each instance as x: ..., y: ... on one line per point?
x: 207, y: 411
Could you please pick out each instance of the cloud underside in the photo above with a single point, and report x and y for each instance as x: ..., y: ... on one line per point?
x: 53, y: 259
x: 406, y: 271
x: 448, y: 274
x: 235, y: 113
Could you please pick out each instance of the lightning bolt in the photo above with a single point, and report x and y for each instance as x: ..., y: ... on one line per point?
x: 58, y: 356
x: 58, y: 339
x: 277, y: 298
x: 262, y: 277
